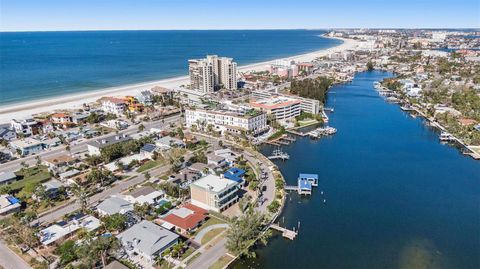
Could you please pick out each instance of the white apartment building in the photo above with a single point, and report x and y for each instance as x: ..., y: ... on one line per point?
x: 212, y: 71
x: 252, y: 121
x: 306, y: 104
x: 113, y: 105
x: 25, y: 127
x: 283, y: 108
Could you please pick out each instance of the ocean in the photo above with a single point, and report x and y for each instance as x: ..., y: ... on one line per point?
x: 38, y: 65
x: 395, y: 196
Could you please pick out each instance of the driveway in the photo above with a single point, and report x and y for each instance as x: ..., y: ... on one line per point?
x: 201, y: 234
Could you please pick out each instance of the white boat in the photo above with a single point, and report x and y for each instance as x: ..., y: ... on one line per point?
x: 446, y: 137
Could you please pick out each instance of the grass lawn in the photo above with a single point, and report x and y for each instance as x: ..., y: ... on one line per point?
x: 30, y: 175
x: 222, y: 262
x: 211, y: 234
x: 307, y: 122
x: 187, y: 253
x: 211, y: 221
x: 148, y: 165
x: 193, y: 258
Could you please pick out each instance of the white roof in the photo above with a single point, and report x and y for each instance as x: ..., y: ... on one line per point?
x: 56, y: 231
x: 214, y: 183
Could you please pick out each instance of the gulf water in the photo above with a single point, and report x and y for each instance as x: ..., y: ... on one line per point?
x: 38, y: 65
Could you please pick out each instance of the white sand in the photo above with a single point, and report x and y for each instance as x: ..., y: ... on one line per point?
x: 25, y: 110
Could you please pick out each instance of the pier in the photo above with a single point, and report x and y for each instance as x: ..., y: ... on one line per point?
x: 305, y: 184
x: 290, y: 234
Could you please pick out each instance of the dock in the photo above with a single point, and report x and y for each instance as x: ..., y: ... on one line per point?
x: 279, y: 155
x: 290, y: 234
x: 305, y: 184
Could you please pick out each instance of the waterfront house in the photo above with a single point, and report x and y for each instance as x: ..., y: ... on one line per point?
x: 185, y: 218
x: 147, y: 240
x: 304, y: 187
x: 114, y: 105
x: 235, y: 174
x: 145, y: 97
x: 25, y: 127
x: 214, y: 193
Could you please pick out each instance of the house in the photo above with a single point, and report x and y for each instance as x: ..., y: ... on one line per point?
x: 79, y: 117
x: 114, y: 105
x: 95, y: 146
x: 59, y: 164
x: 114, y: 205
x: 27, y: 146
x: 7, y: 134
x: 115, y: 124
x: 235, y: 174
x: 186, y: 218
x: 214, y: 193
x: 9, y: 204
x: 143, y: 195
x: 147, y: 240
x: 61, y: 119
x: 52, y: 189
x: 167, y: 142
x: 145, y: 97
x: 217, y: 161
x: 52, y: 142
x: 185, y: 177
x: 201, y: 168
x: 229, y: 156
x: 62, y: 229
x: 147, y: 150
x: 25, y: 127
x: 7, y: 178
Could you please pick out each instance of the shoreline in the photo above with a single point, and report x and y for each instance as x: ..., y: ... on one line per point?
x: 71, y: 101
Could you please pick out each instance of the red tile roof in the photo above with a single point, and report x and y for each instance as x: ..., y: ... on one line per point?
x: 189, y: 222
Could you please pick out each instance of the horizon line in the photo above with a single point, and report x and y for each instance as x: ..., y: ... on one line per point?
x: 248, y: 29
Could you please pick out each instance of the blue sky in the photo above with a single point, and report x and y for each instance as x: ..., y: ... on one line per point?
x: 43, y: 15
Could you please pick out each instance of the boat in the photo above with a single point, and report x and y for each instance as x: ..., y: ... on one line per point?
x: 279, y: 154
x: 446, y: 137
x: 322, y: 131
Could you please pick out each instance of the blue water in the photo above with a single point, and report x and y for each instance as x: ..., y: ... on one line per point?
x: 37, y: 65
x: 396, y: 197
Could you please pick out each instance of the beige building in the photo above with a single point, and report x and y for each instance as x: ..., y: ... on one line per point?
x: 214, y: 193
x: 212, y: 71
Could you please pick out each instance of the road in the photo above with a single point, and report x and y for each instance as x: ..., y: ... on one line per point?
x: 209, y: 256
x: 82, y: 146
x: 10, y: 259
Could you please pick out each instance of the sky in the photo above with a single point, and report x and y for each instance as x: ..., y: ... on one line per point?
x: 57, y: 15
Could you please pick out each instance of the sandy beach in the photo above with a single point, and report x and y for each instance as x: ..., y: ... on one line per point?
x: 26, y: 109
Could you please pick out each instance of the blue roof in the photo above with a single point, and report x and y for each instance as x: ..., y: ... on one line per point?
x: 149, y: 147
x: 304, y: 184
x: 13, y: 200
x: 315, y: 176
x: 234, y: 174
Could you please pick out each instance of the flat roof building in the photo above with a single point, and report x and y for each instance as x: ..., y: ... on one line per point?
x: 214, y: 193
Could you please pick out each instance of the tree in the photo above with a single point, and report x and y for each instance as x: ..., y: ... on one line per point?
x: 141, y: 128
x: 143, y: 210
x: 82, y: 196
x: 148, y: 176
x: 370, y: 66
x: 243, y: 231
x: 115, y: 222
x: 38, y: 160
x: 67, y: 252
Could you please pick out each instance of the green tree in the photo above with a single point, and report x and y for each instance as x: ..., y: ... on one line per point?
x: 370, y: 66
x: 115, y: 222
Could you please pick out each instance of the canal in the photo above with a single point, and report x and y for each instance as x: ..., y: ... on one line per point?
x: 395, y: 197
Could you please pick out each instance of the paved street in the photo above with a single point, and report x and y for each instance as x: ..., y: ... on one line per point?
x: 209, y: 256
x: 10, y: 260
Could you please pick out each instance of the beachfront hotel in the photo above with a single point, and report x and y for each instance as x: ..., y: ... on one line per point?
x: 212, y: 72
x: 253, y: 122
x: 214, y: 193
x: 282, y: 107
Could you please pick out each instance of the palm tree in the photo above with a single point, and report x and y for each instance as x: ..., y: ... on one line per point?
x: 82, y: 196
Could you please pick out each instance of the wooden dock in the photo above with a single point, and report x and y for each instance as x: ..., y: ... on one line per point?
x: 290, y: 234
